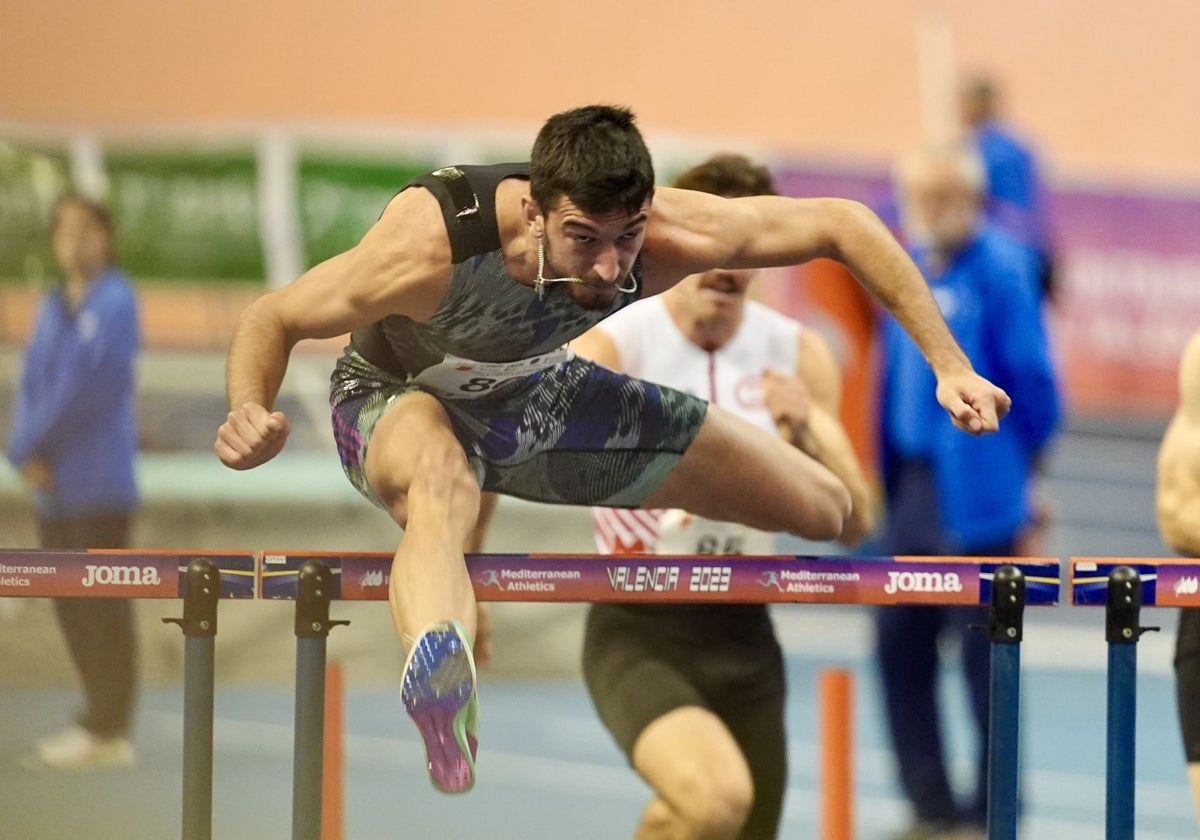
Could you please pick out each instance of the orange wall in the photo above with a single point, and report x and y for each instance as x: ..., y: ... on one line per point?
x: 1110, y: 89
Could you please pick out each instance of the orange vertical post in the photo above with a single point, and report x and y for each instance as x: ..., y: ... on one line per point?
x: 837, y: 754
x: 333, y: 811
x: 833, y: 299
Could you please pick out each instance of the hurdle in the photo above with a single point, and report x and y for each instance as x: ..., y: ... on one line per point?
x: 1124, y: 585
x: 1006, y: 585
x: 200, y: 578
x: 316, y: 579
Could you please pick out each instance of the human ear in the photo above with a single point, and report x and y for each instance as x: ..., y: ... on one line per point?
x: 533, y: 216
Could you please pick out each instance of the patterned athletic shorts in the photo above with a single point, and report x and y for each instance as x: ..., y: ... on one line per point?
x: 576, y: 433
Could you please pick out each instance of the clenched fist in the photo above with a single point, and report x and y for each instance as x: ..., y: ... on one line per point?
x: 251, y: 435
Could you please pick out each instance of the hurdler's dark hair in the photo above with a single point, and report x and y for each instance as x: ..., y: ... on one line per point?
x: 596, y: 157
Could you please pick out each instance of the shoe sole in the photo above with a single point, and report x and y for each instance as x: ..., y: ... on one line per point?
x: 439, y: 695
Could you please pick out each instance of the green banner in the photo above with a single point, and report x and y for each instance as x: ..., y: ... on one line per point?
x: 340, y: 198
x: 31, y: 181
x: 186, y: 215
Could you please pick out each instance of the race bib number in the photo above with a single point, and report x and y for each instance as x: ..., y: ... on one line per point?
x: 456, y: 378
x: 684, y: 533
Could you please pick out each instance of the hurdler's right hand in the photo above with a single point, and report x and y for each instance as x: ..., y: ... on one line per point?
x: 250, y: 436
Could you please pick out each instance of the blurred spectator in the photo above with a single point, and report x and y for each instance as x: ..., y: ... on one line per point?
x: 1015, y: 198
x: 948, y: 493
x: 1178, y: 503
x: 74, y: 441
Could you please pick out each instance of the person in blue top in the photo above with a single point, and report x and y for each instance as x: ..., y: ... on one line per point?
x: 1015, y: 200
x: 946, y: 493
x: 74, y: 441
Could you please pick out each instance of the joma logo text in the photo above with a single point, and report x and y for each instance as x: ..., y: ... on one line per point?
x: 121, y: 576
x: 922, y: 582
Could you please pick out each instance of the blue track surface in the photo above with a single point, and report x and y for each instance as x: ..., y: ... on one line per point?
x: 548, y: 770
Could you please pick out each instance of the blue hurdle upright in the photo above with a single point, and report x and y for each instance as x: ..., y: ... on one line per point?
x: 199, y: 624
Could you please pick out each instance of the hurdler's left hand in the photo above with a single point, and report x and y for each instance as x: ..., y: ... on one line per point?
x: 975, y: 404
x: 788, y: 400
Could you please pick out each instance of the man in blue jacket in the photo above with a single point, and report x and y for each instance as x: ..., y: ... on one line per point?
x: 74, y: 441
x: 947, y: 493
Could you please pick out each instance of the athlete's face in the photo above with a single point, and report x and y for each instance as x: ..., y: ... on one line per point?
x: 81, y: 242
x: 715, y: 296
x: 599, y: 250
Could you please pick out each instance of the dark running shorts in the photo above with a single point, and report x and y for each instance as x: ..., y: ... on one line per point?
x: 576, y: 433
x: 1187, y: 680
x: 642, y: 661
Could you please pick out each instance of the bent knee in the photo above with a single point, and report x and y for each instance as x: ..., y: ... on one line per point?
x: 435, y: 476
x: 443, y: 473
x: 830, y: 507
x: 443, y: 467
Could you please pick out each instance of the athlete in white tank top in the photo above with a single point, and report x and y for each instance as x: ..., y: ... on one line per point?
x: 703, y: 336
x: 652, y: 347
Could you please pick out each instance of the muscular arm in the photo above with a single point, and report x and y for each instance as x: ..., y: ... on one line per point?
x: 400, y: 267
x: 1178, y: 486
x: 692, y: 232
x: 817, y: 430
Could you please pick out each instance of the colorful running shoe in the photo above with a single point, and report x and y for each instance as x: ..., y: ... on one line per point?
x: 439, y: 695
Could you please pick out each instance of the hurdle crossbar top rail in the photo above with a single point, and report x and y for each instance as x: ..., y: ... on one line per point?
x: 539, y: 577
x: 120, y: 573
x: 690, y: 578
x: 1165, y: 581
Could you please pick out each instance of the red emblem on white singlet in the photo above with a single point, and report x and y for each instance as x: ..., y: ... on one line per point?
x: 748, y: 392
